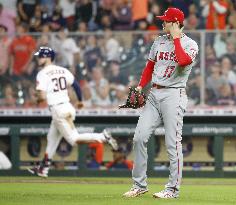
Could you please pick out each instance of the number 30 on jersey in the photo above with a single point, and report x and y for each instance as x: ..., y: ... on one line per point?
x: 59, y: 84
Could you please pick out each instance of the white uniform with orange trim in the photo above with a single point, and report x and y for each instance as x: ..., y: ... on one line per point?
x: 54, y: 81
x: 164, y: 106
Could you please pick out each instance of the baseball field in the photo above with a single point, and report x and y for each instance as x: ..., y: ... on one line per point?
x: 99, y: 191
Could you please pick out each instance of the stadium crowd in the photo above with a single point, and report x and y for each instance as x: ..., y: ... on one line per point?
x: 86, y: 37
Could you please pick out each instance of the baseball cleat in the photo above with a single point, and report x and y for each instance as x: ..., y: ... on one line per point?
x: 166, y: 194
x: 33, y: 170
x: 134, y: 192
x: 43, y: 173
x: 110, y: 140
x: 40, y: 171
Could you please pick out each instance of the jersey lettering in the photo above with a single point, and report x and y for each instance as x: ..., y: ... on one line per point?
x: 55, y: 72
x: 59, y: 84
x: 172, y: 54
x: 167, y: 56
x: 169, y: 70
x: 161, y: 55
x: 193, y: 53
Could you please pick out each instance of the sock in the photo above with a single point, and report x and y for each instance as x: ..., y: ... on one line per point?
x: 46, y: 161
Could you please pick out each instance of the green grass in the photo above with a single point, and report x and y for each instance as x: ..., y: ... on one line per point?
x: 108, y: 191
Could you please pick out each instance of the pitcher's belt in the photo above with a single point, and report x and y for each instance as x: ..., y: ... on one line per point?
x: 157, y: 86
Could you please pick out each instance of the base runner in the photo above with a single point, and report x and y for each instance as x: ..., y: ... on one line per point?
x: 52, y: 84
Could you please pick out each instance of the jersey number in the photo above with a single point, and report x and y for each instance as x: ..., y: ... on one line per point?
x: 169, y: 70
x: 59, y: 84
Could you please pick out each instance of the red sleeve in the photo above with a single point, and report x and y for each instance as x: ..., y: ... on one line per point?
x: 183, y: 58
x: 147, y: 74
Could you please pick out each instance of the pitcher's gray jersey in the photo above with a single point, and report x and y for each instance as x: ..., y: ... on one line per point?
x: 166, y: 70
x: 165, y: 106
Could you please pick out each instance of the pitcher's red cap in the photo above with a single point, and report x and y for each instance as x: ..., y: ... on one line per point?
x: 172, y: 15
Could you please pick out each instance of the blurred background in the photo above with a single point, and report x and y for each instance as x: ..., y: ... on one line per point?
x: 105, y: 44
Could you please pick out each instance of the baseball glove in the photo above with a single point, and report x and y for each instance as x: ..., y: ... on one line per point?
x: 135, y: 100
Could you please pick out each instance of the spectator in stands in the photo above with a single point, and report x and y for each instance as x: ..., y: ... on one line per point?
x: 220, y: 44
x: 133, y: 81
x: 68, y: 12
x: 5, y: 42
x: 121, y: 14
x: 26, y: 9
x: 87, y: 95
x: 231, y: 38
x: 119, y: 160
x: 139, y: 11
x: 118, y: 94
x: 48, y: 6
x: 67, y: 49
x: 11, y: 5
x: 46, y: 28
x: 92, y: 54
x: 209, y: 97
x: 7, y: 18
x: 154, y: 23
x: 193, y: 9
x: 21, y: 51
x: 106, y: 23
x: 115, y: 76
x: 231, y: 51
x: 99, y: 89
x: 82, y: 27
x: 210, y: 57
x: 215, y: 80
x: 226, y: 96
x: 227, y: 70
x: 84, y: 11
x: 82, y: 44
x: 35, y: 23
x: 194, y: 86
x: 111, y: 47
x: 143, y: 26
x: 56, y: 21
x: 44, y: 40
x: 231, y: 20
x: 104, y: 9
x: 215, y: 12
x: 192, y: 21
x: 9, y: 99
x: 233, y: 6
x: 164, y: 4
x: 183, y: 5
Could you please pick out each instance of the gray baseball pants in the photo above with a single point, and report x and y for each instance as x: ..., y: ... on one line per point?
x: 164, y: 106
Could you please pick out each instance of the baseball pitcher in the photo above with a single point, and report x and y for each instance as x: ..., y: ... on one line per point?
x: 52, y: 84
x: 169, y: 64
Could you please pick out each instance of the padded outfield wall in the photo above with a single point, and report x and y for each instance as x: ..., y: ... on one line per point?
x: 209, y: 143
